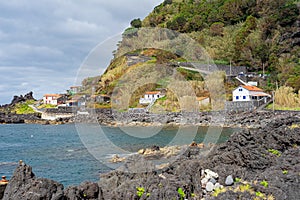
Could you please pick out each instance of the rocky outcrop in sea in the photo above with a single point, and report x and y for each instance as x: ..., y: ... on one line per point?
x: 254, y: 163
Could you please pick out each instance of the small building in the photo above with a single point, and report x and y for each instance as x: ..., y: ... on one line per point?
x: 151, y: 96
x: 74, y: 90
x: 203, y: 101
x: 54, y: 99
x: 249, y: 93
x: 76, y: 101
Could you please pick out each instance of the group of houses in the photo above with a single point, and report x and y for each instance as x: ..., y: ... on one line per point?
x: 243, y: 96
x: 73, y: 98
x: 243, y: 93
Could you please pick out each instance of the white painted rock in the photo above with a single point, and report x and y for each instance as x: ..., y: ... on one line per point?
x: 211, y: 174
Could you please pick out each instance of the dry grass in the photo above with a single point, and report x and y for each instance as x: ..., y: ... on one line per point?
x: 285, y: 97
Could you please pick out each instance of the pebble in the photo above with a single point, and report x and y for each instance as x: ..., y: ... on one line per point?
x: 211, y: 174
x: 229, y: 180
x: 162, y: 176
x: 209, y: 187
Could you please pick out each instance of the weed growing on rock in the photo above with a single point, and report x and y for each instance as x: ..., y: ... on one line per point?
x: 293, y: 126
x: 245, y: 188
x: 285, y: 172
x: 259, y: 194
x: 218, y: 191
x: 140, y: 191
x: 270, y: 197
x: 237, y: 180
x: 181, y: 193
x: 275, y: 152
x: 264, y: 183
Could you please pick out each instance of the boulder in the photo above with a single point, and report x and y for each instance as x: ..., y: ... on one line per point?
x: 24, y: 185
x: 2, y: 189
x: 86, y: 190
x: 116, y: 159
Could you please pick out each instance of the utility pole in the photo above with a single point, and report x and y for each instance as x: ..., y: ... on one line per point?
x: 230, y: 67
x: 273, y: 96
x: 263, y: 75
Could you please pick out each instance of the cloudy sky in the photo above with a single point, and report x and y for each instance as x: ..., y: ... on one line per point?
x: 45, y: 43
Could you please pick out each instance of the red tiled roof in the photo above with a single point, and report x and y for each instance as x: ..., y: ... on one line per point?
x: 252, y: 88
x: 201, y: 98
x: 52, y: 95
x: 153, y: 92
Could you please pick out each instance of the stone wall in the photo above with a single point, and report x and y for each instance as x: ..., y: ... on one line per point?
x: 239, y: 106
x: 54, y: 116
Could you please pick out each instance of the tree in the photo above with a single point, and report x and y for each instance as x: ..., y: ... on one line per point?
x: 167, y: 2
x: 136, y: 23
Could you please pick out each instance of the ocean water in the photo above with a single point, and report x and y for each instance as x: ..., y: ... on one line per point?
x: 66, y: 153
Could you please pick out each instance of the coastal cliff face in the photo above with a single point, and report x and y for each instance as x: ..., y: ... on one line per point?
x: 256, y: 163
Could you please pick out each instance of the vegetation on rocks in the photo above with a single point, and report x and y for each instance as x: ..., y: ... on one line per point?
x: 24, y: 108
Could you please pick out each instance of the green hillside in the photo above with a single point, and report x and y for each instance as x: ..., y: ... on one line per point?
x: 246, y: 32
x: 262, y: 35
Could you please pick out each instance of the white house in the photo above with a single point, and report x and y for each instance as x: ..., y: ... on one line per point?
x: 249, y: 93
x: 151, y: 96
x: 203, y: 101
x: 52, y: 99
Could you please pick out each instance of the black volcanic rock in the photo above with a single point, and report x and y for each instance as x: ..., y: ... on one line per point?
x: 24, y: 185
x: 86, y: 190
x: 2, y: 189
x: 21, y: 98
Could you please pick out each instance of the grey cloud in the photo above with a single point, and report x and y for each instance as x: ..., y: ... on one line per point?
x: 55, y: 36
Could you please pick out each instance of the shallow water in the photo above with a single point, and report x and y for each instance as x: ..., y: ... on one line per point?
x: 58, y: 151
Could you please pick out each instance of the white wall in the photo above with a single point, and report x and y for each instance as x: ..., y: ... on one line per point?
x: 50, y: 100
x: 240, y: 94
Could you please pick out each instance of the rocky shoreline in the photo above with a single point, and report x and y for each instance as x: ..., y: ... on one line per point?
x: 255, y: 119
x: 253, y: 164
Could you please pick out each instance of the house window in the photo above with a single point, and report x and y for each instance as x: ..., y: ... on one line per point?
x: 237, y: 97
x: 241, y: 89
x: 158, y: 96
x: 244, y: 97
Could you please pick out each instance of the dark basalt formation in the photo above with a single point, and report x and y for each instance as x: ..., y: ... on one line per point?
x: 19, y: 99
x: 265, y: 162
x: 18, y: 119
x: 24, y: 185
